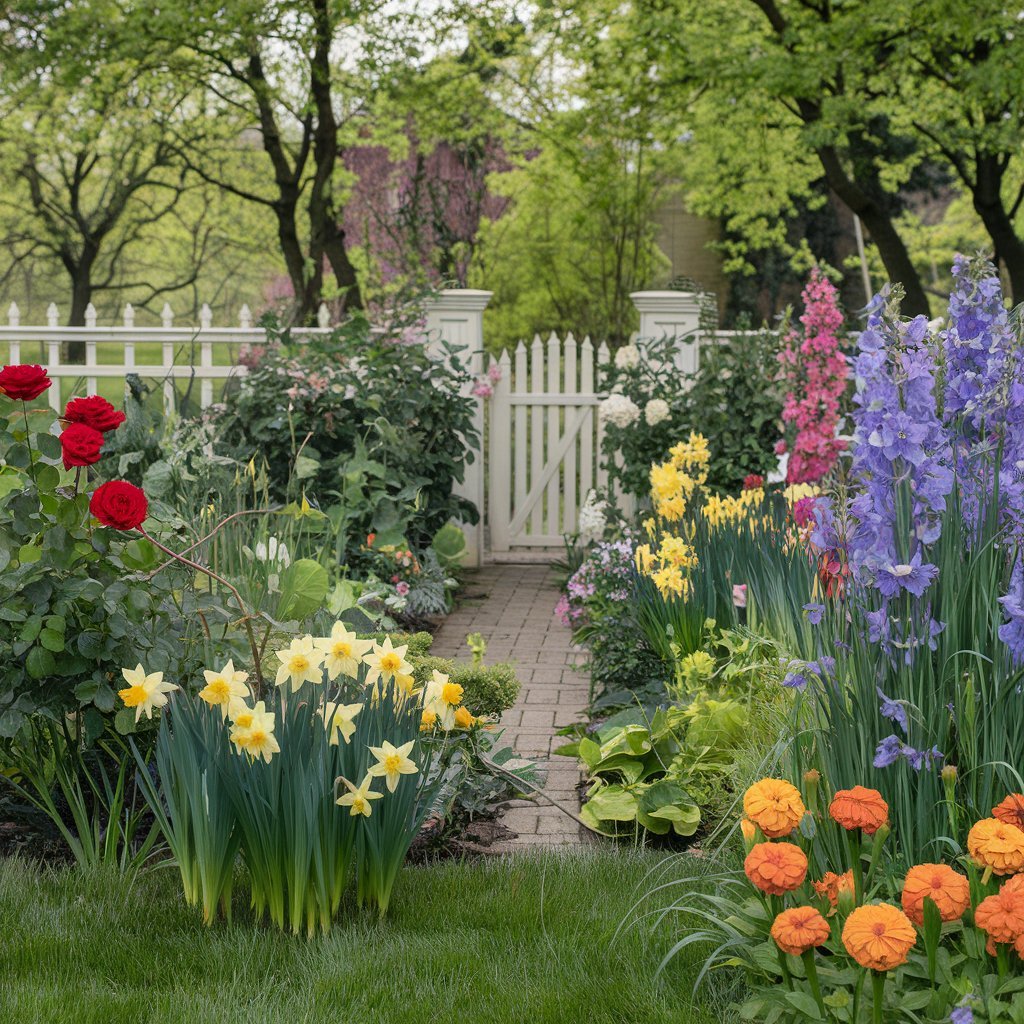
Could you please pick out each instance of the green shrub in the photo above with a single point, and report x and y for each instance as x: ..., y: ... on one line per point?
x: 419, y: 643
x: 487, y: 689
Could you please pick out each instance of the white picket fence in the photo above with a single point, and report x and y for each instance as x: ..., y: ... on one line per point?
x: 542, y: 436
x: 217, y: 349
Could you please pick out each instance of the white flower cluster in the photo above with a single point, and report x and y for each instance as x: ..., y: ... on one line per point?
x: 627, y: 357
x: 592, y: 519
x: 656, y: 411
x: 619, y: 411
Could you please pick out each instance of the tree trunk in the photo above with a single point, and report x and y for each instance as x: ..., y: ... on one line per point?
x: 878, y: 222
x: 80, y: 271
x: 1007, y: 246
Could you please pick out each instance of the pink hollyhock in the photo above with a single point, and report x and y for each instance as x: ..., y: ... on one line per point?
x: 815, y: 373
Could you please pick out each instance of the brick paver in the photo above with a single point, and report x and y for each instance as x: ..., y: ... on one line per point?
x: 513, y: 607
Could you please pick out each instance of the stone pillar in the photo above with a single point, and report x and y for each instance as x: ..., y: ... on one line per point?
x: 456, y: 315
x: 675, y: 315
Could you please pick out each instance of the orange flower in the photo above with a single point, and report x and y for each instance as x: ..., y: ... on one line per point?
x: 776, y: 868
x: 831, y: 885
x: 775, y: 806
x: 1011, y: 810
x: 997, y: 846
x: 800, y: 929
x: 859, y: 808
x: 950, y: 891
x: 879, y: 936
x: 1001, y: 917
x: 1019, y: 946
x: 1013, y: 884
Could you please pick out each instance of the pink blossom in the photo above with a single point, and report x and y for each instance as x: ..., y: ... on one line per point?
x: 815, y: 373
x: 494, y: 373
x: 402, y: 588
x: 483, y: 389
x: 739, y: 595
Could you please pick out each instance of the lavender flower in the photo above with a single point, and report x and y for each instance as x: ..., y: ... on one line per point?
x: 888, y: 752
x: 814, y: 613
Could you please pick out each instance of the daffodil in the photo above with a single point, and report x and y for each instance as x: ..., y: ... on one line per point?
x: 442, y: 697
x: 392, y: 763
x: 343, y: 651
x: 358, y: 798
x: 464, y: 718
x: 386, y: 662
x: 428, y: 722
x: 224, y: 686
x: 300, y: 663
x: 339, y: 718
x: 245, y: 721
x: 144, y: 692
x: 259, y: 741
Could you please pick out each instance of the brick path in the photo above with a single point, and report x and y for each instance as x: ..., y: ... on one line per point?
x: 512, y: 606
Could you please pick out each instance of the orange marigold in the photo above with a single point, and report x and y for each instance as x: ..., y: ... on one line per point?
x: 800, y: 929
x: 996, y: 845
x: 775, y: 806
x: 1015, y: 883
x: 1011, y: 810
x: 831, y: 885
x: 776, y: 868
x: 861, y: 808
x: 879, y: 936
x: 1001, y: 917
x: 950, y: 891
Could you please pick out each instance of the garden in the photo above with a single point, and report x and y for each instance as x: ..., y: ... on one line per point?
x: 544, y: 536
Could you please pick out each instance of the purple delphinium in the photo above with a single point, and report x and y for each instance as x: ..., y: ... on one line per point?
x: 900, y: 446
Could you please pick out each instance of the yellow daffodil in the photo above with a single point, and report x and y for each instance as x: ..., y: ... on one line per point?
x: 301, y: 662
x: 670, y: 581
x: 224, y: 686
x: 464, y: 718
x: 672, y: 509
x: 386, y: 662
x: 392, y: 763
x: 260, y: 742
x: 339, y: 718
x: 358, y: 798
x: 429, y: 721
x: 144, y: 692
x: 343, y: 651
x: 245, y: 721
x: 675, y: 551
x: 442, y: 697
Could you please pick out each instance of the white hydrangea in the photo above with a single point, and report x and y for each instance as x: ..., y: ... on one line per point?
x: 656, y: 411
x: 627, y: 357
x: 592, y: 519
x: 619, y: 411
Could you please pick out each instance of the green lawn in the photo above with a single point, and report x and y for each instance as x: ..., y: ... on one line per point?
x: 525, y: 941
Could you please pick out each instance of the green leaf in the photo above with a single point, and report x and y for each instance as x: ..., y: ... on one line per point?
x: 303, y: 589
x: 305, y: 467
x: 124, y: 721
x: 52, y: 640
x: 805, y: 1003
x: 590, y: 752
x: 613, y: 803
x: 40, y: 663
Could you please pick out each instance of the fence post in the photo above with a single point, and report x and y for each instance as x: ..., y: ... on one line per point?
x: 672, y: 314
x: 457, y: 316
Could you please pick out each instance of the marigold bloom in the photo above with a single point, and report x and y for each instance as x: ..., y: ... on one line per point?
x: 1001, y: 917
x: 776, y: 868
x: 859, y: 808
x: 995, y: 845
x: 948, y: 889
x: 775, y: 806
x: 800, y: 929
x: 879, y: 936
x: 1011, y: 810
x: 831, y: 885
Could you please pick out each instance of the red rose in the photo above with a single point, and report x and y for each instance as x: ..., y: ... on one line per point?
x: 94, y: 411
x: 25, y: 382
x: 119, y: 504
x: 80, y: 445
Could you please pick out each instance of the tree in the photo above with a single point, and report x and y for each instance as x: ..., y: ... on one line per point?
x: 85, y: 145
x: 955, y: 79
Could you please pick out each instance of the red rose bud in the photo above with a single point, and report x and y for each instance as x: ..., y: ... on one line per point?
x: 94, y: 411
x: 119, y: 504
x: 80, y: 445
x: 23, y: 382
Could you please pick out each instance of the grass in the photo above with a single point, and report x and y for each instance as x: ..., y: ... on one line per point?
x: 529, y: 940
